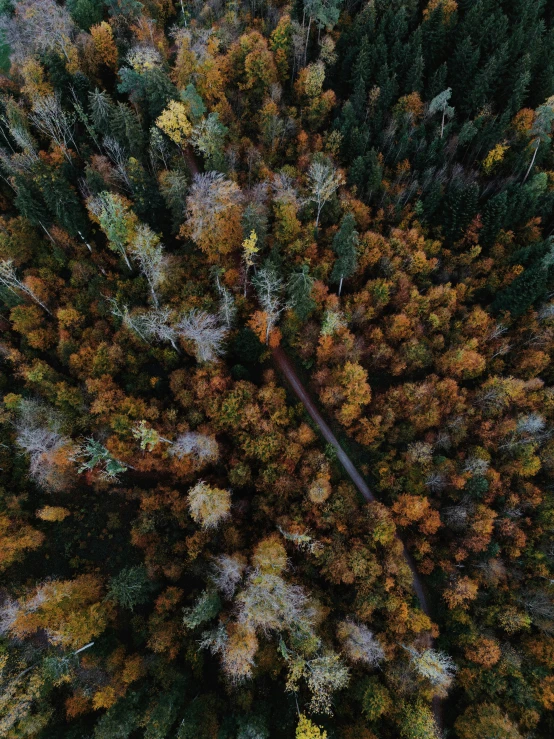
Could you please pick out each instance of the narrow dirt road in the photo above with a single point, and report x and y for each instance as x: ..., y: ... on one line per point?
x: 285, y: 365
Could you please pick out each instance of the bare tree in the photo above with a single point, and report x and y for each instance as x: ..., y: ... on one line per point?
x: 457, y: 516
x: 211, y: 195
x: 208, y: 505
x: 324, y: 180
x: 100, y: 106
x: 324, y: 675
x: 38, y: 435
x: 227, y: 572
x: 435, y: 666
x: 268, y: 603
x: 50, y: 119
x: 200, y: 447
x: 435, y: 481
x: 269, y: 287
x: 156, y: 324
x: 38, y: 26
x: 131, y: 321
x: 476, y: 465
x: 9, y: 278
x: 439, y: 104
x: 359, y: 643
x: 227, y: 305
x: 145, y: 247
x: 119, y: 158
x: 205, y: 331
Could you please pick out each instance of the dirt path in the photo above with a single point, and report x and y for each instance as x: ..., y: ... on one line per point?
x: 285, y: 365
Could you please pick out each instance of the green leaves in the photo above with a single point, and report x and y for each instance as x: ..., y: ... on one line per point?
x: 94, y: 455
x: 131, y: 587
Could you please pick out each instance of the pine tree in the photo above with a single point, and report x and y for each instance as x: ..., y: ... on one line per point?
x: 345, y: 246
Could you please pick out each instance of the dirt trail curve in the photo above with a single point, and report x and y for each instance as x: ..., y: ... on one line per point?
x: 285, y: 365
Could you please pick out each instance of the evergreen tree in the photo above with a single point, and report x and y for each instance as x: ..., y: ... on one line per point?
x: 345, y: 246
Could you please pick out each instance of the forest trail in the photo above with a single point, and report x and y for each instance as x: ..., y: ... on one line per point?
x: 285, y: 365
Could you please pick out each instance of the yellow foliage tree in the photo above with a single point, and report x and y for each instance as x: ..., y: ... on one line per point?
x: 306, y: 729
x: 53, y: 513
x: 494, y: 157
x: 104, y: 44
x: 15, y: 540
x: 174, y: 122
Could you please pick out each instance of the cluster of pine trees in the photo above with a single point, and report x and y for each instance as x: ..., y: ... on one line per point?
x: 190, y: 191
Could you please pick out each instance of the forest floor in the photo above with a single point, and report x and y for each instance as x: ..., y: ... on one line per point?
x: 285, y: 365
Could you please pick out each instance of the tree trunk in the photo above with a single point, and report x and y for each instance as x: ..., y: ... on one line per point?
x: 532, y: 162
x: 340, y: 285
x: 307, y: 41
x: 89, y: 247
x: 126, y: 258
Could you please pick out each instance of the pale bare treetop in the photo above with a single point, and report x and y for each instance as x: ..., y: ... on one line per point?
x: 38, y: 26
x: 205, y: 331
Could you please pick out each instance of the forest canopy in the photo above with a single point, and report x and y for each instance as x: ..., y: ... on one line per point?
x: 276, y: 379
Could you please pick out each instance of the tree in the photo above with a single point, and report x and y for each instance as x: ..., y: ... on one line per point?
x: 306, y: 729
x: 249, y: 254
x: 324, y: 675
x: 541, y: 129
x: 439, y: 104
x: 147, y: 436
x: 436, y: 667
x: 85, y: 13
x: 104, y: 44
x: 214, y: 214
x: 299, y: 292
x: 38, y: 26
x: 345, y: 246
x: 269, y: 288
x: 10, y: 280
x: 92, y: 453
x: 227, y: 572
x: 127, y: 9
x: 206, y: 332
x: 208, y: 138
x: 485, y: 719
x: 417, y: 722
x: 209, y: 506
x: 16, y: 538
x: 323, y: 180
x: 145, y: 247
x: 116, y: 219
x: 270, y: 556
x: 174, y: 122
x: 200, y: 447
x: 38, y: 433
x: 70, y: 612
x: 238, y: 654
x: 51, y: 120
x: 359, y: 643
x: 130, y: 587
x: 207, y: 606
